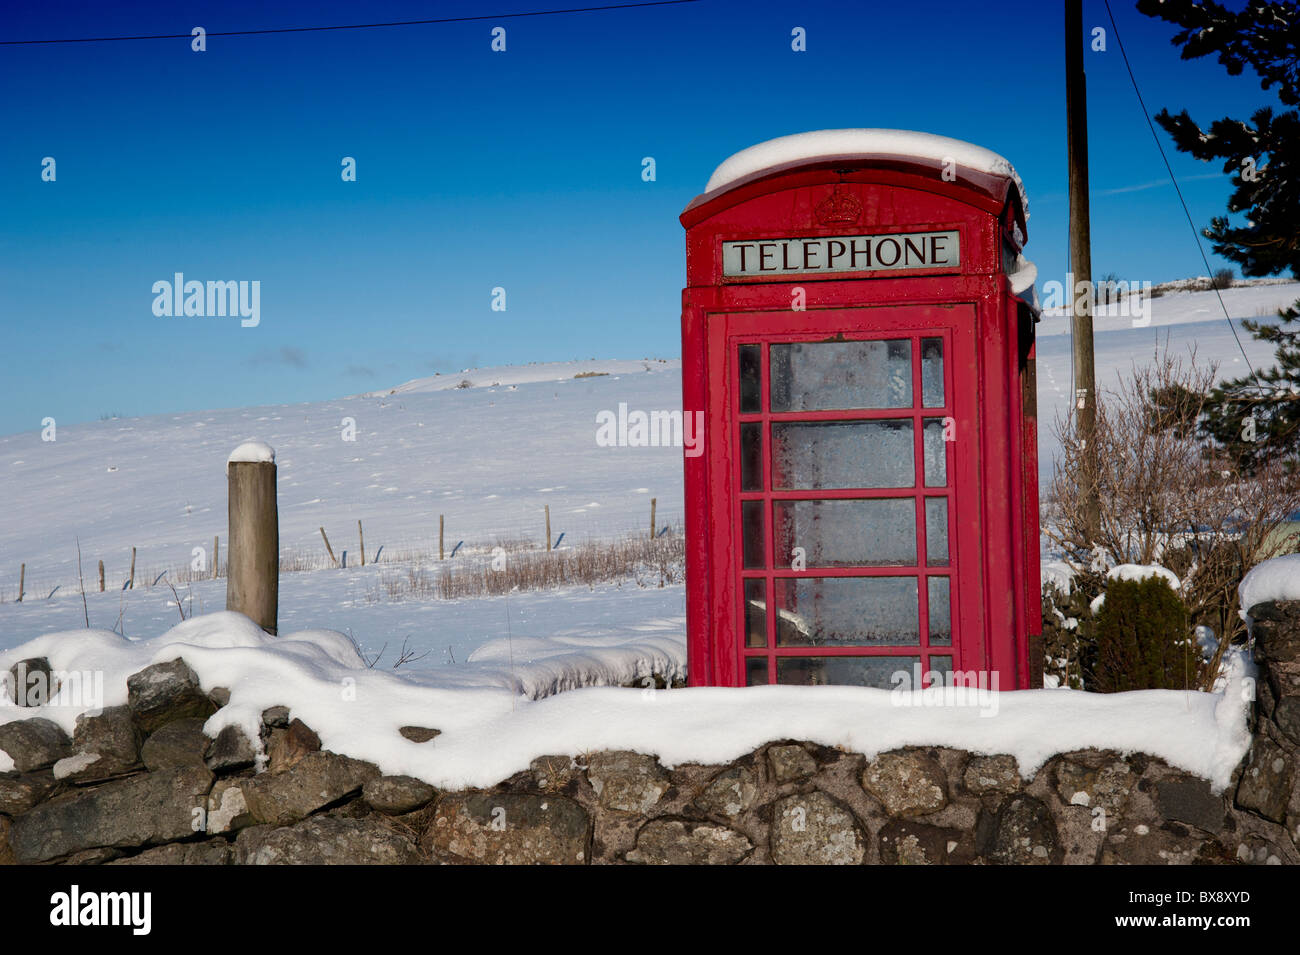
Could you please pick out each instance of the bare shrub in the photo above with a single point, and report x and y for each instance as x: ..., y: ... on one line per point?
x: 524, y: 566
x: 1169, y: 496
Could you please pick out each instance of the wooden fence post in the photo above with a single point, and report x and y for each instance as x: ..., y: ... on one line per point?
x: 361, y: 540
x: 328, y: 549
x: 101, y: 576
x: 653, y: 501
x: 22, y: 579
x: 253, y: 535
x: 548, y: 527
x: 440, y: 527
x: 131, y: 584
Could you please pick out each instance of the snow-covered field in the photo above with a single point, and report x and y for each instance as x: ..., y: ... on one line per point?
x: 1182, y: 321
x: 490, y: 456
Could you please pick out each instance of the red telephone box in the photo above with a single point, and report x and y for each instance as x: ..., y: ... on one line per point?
x: 858, y: 328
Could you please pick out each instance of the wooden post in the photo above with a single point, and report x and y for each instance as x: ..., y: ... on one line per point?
x: 216, y: 554
x: 22, y: 579
x: 1085, y: 383
x: 253, y: 567
x: 548, y: 527
x: 328, y: 549
x: 653, y: 500
x: 131, y: 583
x: 361, y: 539
x: 101, y: 576
x: 440, y: 528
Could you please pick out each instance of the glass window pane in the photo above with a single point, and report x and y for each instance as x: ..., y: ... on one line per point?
x: 751, y: 527
x: 941, y: 669
x: 751, y: 457
x: 869, y: 533
x: 932, y: 373
x: 812, y: 455
x: 936, y: 531
x: 940, y: 603
x: 756, y: 671
x: 878, y: 672
x: 750, y: 378
x: 846, y: 611
x: 936, y: 454
x: 820, y: 376
x: 755, y: 613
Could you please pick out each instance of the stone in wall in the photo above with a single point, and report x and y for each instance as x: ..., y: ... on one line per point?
x: 510, y: 829
x: 816, y: 829
x: 323, y: 840
x: 907, y: 782
x: 318, y: 780
x: 165, y: 692
x: 34, y: 744
x: 145, y: 810
x: 687, y: 842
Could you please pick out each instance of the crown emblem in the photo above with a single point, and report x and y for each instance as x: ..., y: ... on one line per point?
x: 838, y: 209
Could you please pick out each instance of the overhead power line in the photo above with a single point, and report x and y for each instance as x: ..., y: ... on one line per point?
x: 351, y: 26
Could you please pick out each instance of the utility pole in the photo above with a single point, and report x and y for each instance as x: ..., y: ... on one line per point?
x: 1085, y: 376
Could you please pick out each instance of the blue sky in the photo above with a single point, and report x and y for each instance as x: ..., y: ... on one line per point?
x: 478, y: 169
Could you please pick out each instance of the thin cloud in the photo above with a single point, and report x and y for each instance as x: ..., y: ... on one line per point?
x: 452, y: 363
x: 287, y: 355
x: 1157, y: 183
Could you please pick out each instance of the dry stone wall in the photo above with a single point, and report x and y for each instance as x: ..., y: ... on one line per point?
x: 141, y: 784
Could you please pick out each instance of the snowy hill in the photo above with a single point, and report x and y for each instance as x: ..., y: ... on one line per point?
x: 508, y: 376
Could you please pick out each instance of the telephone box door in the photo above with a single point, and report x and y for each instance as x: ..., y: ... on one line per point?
x: 845, y: 523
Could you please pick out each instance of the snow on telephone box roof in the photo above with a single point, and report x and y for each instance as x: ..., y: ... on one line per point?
x: 973, y: 162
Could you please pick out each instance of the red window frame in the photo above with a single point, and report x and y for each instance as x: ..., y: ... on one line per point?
x: 954, y: 325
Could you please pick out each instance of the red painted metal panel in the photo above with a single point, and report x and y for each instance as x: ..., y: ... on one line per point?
x: 695, y: 398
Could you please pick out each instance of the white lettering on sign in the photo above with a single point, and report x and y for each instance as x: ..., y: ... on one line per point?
x: 841, y: 253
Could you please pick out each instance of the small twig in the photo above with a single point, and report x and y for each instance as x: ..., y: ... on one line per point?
x: 370, y: 664
x: 84, y: 609
x: 177, y: 597
x: 407, y: 655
